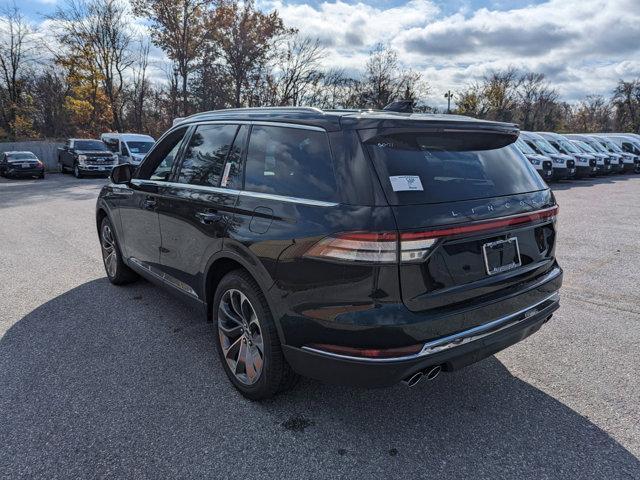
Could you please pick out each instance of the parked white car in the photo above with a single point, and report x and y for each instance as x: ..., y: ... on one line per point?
x: 130, y: 147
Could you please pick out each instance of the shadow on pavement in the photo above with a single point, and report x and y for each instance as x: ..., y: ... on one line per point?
x: 124, y: 382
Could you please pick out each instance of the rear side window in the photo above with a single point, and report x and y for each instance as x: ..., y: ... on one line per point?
x: 206, y: 153
x: 290, y: 161
x: 435, y: 168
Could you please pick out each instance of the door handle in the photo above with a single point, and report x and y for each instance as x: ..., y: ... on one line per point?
x: 207, y: 218
x: 149, y: 203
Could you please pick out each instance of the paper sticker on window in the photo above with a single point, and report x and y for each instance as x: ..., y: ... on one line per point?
x: 406, y: 183
x: 225, y: 175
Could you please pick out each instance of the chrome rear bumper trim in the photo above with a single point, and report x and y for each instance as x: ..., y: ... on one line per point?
x: 461, y: 338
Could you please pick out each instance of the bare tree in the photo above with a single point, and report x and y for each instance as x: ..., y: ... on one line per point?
x: 178, y: 27
x: 100, y: 28
x: 593, y: 114
x: 538, y: 107
x: 140, y: 85
x: 384, y: 80
x: 17, y: 51
x: 245, y: 37
x: 299, y: 66
x: 626, y: 100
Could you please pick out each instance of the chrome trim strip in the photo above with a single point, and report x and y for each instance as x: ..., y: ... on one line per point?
x: 242, y: 193
x: 166, y: 278
x: 452, y: 341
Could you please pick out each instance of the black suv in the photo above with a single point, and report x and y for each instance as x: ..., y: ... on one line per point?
x: 356, y: 247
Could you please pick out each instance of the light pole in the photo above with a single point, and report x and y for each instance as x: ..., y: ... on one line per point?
x: 448, y: 96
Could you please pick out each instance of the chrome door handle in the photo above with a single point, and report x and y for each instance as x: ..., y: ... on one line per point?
x: 207, y: 218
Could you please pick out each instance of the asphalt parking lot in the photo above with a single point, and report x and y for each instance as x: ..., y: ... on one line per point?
x: 123, y: 382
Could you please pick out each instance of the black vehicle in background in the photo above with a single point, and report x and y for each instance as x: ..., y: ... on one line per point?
x: 361, y: 248
x: 20, y: 164
x: 86, y: 157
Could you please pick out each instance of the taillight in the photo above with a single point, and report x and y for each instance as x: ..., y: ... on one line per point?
x: 383, y: 247
x: 358, y: 247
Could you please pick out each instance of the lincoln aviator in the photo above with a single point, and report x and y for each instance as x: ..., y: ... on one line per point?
x: 353, y: 247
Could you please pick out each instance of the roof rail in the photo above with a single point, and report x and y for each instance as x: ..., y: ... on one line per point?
x: 259, y: 110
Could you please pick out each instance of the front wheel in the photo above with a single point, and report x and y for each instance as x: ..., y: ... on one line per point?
x: 76, y: 171
x: 117, y: 271
x: 248, y: 343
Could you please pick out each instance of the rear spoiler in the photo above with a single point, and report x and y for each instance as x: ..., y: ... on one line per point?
x: 475, y: 135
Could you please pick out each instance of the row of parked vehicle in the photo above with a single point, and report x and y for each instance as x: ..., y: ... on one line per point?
x: 97, y: 157
x: 564, y: 157
x: 81, y: 156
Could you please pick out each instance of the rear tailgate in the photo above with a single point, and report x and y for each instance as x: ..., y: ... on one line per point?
x: 457, y: 270
x: 476, y: 221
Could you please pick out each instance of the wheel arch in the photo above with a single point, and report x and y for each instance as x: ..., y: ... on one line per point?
x: 226, y: 261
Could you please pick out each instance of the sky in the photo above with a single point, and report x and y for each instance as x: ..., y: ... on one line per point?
x: 583, y: 46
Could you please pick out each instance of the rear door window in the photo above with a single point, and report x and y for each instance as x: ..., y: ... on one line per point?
x: 290, y: 161
x: 206, y: 153
x: 420, y: 168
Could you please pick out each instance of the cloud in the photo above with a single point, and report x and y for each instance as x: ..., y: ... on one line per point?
x: 582, y: 46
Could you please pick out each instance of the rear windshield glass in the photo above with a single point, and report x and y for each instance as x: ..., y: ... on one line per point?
x: 430, y: 168
x: 90, y: 145
x: 21, y: 156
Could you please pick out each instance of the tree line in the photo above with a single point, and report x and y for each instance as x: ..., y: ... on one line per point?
x: 91, y: 71
x: 528, y: 99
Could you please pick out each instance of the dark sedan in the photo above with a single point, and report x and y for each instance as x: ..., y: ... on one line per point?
x: 20, y: 164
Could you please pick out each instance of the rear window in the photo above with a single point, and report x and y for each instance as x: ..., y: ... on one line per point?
x: 293, y: 162
x: 21, y: 156
x: 432, y: 168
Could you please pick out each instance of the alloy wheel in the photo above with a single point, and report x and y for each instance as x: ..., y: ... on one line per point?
x: 109, y: 252
x: 240, y: 336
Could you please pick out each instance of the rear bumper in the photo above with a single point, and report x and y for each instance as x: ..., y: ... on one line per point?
x: 26, y: 172
x: 451, y: 353
x: 507, y: 321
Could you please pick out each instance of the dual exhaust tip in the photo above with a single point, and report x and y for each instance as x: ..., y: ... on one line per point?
x: 429, y: 374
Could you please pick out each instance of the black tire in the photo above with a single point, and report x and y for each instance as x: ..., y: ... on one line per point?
x: 276, y: 375
x: 117, y: 271
x: 76, y: 171
x: 41, y: 177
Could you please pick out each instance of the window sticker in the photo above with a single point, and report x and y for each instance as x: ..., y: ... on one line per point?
x: 406, y: 183
x: 225, y: 175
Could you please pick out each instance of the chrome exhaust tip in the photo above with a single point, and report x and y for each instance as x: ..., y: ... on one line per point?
x: 433, y: 372
x: 412, y: 380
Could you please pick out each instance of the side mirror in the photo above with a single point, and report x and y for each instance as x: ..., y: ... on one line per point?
x: 121, y: 173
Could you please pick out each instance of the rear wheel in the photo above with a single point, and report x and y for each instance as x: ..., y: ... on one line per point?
x: 248, y: 343
x: 117, y: 271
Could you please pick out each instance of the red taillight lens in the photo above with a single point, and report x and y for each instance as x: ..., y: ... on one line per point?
x: 358, y: 247
x: 367, y: 352
x: 412, y: 246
